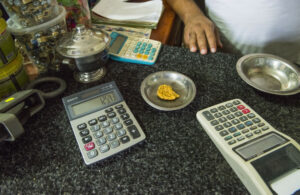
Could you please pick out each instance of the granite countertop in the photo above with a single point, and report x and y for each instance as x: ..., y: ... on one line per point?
x: 177, y: 156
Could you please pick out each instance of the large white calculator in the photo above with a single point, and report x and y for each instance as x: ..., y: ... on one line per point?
x: 102, y: 122
x: 133, y: 49
x: 266, y: 160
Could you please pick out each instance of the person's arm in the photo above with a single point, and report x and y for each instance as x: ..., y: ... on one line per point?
x: 199, y: 32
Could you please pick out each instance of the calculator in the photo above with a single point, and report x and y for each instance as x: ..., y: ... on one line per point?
x: 133, y: 49
x: 102, y: 122
x: 266, y: 160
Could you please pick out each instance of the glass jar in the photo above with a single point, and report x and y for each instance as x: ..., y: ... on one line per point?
x: 40, y: 41
x: 29, y: 13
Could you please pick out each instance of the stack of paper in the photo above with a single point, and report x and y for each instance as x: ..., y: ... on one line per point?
x: 143, y: 14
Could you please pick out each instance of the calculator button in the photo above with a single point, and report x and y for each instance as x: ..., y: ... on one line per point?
x: 139, y: 56
x: 118, y: 126
x: 233, y: 109
x: 217, y: 115
x: 114, y: 144
x: 228, y: 137
x: 214, y: 122
x: 124, y: 139
x: 235, y: 121
x: 249, y: 135
x: 87, y: 139
x: 119, y: 106
x: 221, y: 108
x: 236, y: 134
x: 121, y: 111
x: 227, y: 124
x: 125, y: 116
x: 256, y: 120
x: 223, y: 133
x: 84, y: 133
x: 219, y: 127
x: 102, y: 118
x: 230, y: 116
x: 245, y: 131
x: 105, y: 124
x: 104, y: 148
x: 231, y: 142
x: 115, y: 120
x: 111, y: 114
x: 253, y: 127
x: 108, y: 130
x: 257, y: 131
x: 228, y: 105
x: 128, y: 122
x: 261, y: 124
x: 208, y: 115
x: 240, y: 138
x: 240, y: 126
x: 121, y: 132
x: 145, y: 57
x: 92, y: 153
x: 248, y: 123
x: 111, y: 136
x: 240, y: 107
x: 109, y: 110
x: 245, y: 111
x: 251, y: 115
x: 89, y: 146
x: 98, y: 134
x: 232, y: 129
x: 214, y: 110
x: 243, y: 118
x: 238, y: 114
x: 95, y: 128
x: 100, y: 141
x: 81, y: 126
x: 150, y: 58
x: 133, y: 131
x: 225, y: 112
x: 222, y: 119
x: 265, y: 128
x: 236, y: 102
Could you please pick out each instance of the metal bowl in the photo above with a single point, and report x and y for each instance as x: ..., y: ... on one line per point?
x: 180, y: 83
x: 269, y: 73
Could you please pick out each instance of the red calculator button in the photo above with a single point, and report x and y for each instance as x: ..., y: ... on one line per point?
x: 245, y: 111
x: 89, y: 146
x: 240, y: 107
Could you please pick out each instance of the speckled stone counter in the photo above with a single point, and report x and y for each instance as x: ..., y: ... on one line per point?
x: 177, y: 156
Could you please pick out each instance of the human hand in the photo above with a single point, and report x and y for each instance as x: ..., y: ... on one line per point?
x: 201, y: 33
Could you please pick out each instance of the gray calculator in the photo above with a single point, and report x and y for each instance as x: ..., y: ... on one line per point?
x: 102, y: 122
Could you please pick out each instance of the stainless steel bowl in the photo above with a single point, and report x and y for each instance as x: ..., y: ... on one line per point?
x: 269, y: 73
x: 180, y: 83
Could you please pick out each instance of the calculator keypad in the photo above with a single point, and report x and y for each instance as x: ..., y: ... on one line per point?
x: 138, y: 49
x: 113, y: 128
x: 235, y: 122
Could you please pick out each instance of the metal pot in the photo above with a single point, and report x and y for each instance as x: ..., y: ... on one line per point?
x: 85, y: 51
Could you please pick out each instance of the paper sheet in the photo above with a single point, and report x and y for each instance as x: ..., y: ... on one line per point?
x: 149, y: 11
x: 287, y: 185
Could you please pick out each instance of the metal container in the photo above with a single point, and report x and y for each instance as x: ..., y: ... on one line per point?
x: 85, y: 51
x: 182, y: 85
x: 269, y: 73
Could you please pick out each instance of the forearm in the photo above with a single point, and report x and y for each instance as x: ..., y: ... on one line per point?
x: 186, y: 9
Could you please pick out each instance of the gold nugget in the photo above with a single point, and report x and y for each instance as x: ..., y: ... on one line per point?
x: 166, y: 92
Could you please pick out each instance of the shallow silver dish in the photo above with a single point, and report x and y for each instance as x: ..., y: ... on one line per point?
x: 180, y: 83
x: 269, y: 73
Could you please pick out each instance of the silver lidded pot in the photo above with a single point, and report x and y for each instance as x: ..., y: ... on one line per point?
x: 85, y: 50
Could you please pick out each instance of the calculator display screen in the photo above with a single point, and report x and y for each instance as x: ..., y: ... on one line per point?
x: 117, y: 44
x: 94, y: 104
